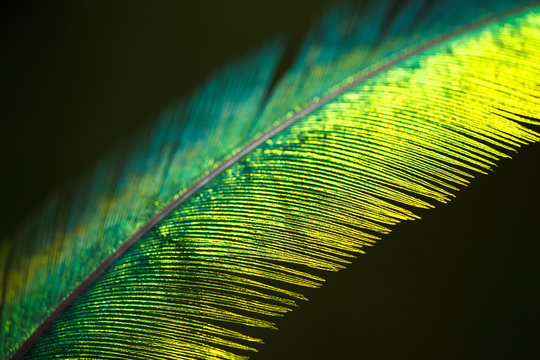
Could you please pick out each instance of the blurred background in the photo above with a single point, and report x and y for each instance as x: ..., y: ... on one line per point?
x: 77, y: 77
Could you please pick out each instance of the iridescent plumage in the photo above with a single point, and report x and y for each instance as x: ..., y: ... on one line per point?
x: 240, y: 249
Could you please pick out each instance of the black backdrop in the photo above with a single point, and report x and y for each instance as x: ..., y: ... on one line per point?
x: 460, y: 283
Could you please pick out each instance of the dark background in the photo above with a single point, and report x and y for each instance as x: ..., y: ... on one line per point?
x: 460, y: 283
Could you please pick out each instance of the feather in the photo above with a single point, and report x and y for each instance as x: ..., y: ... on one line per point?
x: 239, y: 197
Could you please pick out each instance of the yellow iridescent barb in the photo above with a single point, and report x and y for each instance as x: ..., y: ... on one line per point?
x: 311, y: 197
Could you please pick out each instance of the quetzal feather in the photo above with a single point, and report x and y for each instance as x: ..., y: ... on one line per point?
x: 241, y: 196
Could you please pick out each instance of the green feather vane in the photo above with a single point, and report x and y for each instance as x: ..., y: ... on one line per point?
x: 213, y: 222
